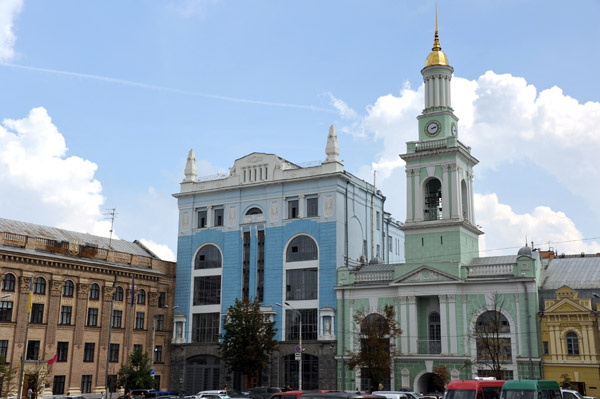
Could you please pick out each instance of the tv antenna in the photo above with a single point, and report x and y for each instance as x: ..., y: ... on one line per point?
x: 111, y: 214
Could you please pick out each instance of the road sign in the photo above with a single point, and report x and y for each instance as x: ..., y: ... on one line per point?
x: 298, y: 356
x: 152, y: 371
x: 298, y: 349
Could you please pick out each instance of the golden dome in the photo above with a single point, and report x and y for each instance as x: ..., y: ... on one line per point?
x: 437, y: 56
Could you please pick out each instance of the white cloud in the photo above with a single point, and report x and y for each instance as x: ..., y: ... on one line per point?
x: 9, y: 9
x: 162, y: 251
x: 505, y: 120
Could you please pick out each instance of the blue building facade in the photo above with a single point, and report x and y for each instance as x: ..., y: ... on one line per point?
x: 276, y: 231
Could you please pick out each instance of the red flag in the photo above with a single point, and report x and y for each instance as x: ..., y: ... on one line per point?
x: 53, y: 360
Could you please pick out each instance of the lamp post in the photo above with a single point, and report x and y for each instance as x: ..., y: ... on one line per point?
x: 299, y: 342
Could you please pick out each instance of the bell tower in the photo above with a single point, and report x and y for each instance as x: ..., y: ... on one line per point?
x: 440, y: 229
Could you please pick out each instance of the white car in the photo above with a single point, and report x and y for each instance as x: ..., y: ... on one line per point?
x: 570, y: 394
x: 212, y: 394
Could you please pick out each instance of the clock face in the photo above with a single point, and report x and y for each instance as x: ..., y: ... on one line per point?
x: 433, y: 128
x: 453, y: 129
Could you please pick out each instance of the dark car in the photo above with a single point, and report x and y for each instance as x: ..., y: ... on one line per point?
x: 340, y: 395
x: 264, y: 392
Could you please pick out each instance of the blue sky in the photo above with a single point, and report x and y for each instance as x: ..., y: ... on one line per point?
x: 102, y: 100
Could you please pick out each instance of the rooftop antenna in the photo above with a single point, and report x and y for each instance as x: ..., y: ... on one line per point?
x: 111, y: 214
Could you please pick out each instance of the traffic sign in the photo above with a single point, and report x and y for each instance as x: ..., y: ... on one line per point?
x: 298, y: 349
x: 298, y: 356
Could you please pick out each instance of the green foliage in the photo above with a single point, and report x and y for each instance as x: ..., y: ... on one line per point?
x: 248, y: 338
x: 8, y: 378
x: 565, y: 383
x: 441, y: 377
x: 136, y: 373
x: 377, y: 336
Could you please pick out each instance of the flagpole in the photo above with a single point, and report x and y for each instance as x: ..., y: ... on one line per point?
x: 19, y: 393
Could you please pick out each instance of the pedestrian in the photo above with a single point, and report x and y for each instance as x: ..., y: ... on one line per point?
x: 380, y: 386
x: 29, y: 393
x: 102, y: 396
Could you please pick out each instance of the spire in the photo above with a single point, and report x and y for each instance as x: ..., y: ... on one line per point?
x: 437, y: 56
x: 436, y: 40
x: 191, y: 169
x: 332, y: 150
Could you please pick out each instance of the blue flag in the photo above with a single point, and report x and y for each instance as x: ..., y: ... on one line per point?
x: 132, y: 291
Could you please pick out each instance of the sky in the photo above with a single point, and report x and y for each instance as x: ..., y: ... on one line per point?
x: 100, y: 102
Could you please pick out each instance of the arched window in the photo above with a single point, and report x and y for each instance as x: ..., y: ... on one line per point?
x: 8, y: 284
x: 68, y: 288
x: 492, y: 335
x: 39, y: 286
x: 208, y: 257
x: 435, y: 333
x: 465, y: 200
x: 95, y: 291
x: 302, y: 248
x: 118, y: 295
x: 254, y: 211
x: 572, y: 344
x: 433, y: 200
x: 141, y: 297
x: 492, y: 322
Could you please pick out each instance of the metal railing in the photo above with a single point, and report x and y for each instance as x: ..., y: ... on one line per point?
x: 429, y: 347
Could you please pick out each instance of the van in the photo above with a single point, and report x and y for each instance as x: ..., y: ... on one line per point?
x: 474, y: 389
x: 530, y: 389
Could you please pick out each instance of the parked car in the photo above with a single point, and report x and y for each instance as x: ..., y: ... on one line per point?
x: 340, y: 395
x: 222, y: 394
x: 570, y: 394
x: 264, y: 392
x: 392, y: 394
x: 287, y: 395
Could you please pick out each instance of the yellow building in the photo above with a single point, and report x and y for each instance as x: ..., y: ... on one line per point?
x: 76, y: 280
x: 569, y: 328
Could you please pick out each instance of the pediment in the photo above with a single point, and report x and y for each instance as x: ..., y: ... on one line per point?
x: 426, y: 274
x: 566, y: 306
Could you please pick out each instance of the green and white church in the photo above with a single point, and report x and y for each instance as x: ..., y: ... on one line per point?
x: 445, y: 295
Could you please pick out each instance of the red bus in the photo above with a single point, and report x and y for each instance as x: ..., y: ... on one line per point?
x: 474, y: 389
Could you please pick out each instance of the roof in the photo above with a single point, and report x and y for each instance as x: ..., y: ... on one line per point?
x: 576, y: 272
x: 53, y: 233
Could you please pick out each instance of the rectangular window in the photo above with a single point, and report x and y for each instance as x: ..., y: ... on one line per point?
x: 137, y: 346
x: 88, y: 352
x: 58, y: 388
x: 246, y: 266
x: 205, y: 327
x: 6, y: 310
x: 4, y: 348
x: 260, y: 266
x: 389, y: 242
x: 158, y: 354
x: 139, y: 320
x: 92, y: 319
x: 117, y: 317
x: 312, y: 207
x: 62, y: 348
x: 162, y: 299
x: 65, y: 315
x: 301, y: 284
x: 218, y: 217
x: 546, y: 349
x: 202, y: 219
x: 37, y: 313
x: 293, y: 209
x: 377, y: 220
x: 86, y: 384
x: 207, y: 290
x: 160, y: 322
x: 378, y: 250
x: 309, y: 324
x: 33, y: 350
x: 113, y: 353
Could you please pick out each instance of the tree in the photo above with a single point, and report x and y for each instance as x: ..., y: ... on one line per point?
x: 376, y: 344
x: 136, y: 373
x: 441, y: 377
x: 8, y: 376
x: 248, y: 338
x: 492, y: 337
x: 566, y: 381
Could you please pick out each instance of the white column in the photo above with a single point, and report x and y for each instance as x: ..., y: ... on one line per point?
x: 436, y: 90
x: 449, y: 91
x: 585, y: 340
x: 403, y: 325
x: 465, y: 327
x: 412, y: 315
x: 457, y: 189
x: 443, y: 91
x: 209, y: 216
x: 417, y: 195
x: 430, y: 92
x: 452, y: 315
x: 301, y: 206
x: 519, y: 331
x: 445, y: 194
x: 471, y: 204
x: 554, y: 348
x: 409, y: 195
x: 443, y: 323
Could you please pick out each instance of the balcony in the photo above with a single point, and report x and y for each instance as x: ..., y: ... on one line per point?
x: 429, y: 347
x: 490, y: 270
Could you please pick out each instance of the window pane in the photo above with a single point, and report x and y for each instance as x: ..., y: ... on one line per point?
x: 208, y: 257
x: 292, y: 209
x: 309, y: 324
x: 218, y: 217
x: 302, y: 248
x: 207, y: 290
x: 205, y: 327
x: 301, y: 284
x: 312, y: 207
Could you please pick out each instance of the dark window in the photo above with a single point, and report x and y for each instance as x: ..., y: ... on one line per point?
x: 292, y: 209
x: 139, y: 320
x: 86, y: 384
x: 260, y: 265
x: 113, y: 353
x: 162, y: 299
x: 218, y: 217
x: 301, y: 284
x: 207, y: 290
x: 377, y: 220
x: 309, y: 324
x: 572, y: 344
x: 4, y: 348
x: 117, y: 317
x: 492, y: 322
x: 33, y: 350
x: 492, y: 339
x: 37, y: 313
x: 158, y: 354
x: 310, y: 372
x: 118, y: 295
x: 202, y: 219
x: 6, y: 310
x: 137, y: 346
x: 95, y: 291
x: 39, y: 287
x: 546, y: 348
x: 312, y: 207
x: 92, y: 319
x: 141, y: 297
x: 208, y: 257
x: 205, y: 327
x: 434, y: 345
x: 246, y: 266
x: 62, y: 348
x: 254, y: 211
x: 58, y: 388
x: 65, y: 315
x: 68, y: 288
x: 302, y: 248
x: 160, y: 322
x: 8, y: 284
x: 88, y: 352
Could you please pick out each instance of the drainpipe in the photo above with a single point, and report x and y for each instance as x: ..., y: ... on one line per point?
x: 540, y: 348
x: 528, y: 329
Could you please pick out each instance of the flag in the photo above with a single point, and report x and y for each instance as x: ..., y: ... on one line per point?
x: 132, y: 291
x: 54, y: 359
x: 30, y: 303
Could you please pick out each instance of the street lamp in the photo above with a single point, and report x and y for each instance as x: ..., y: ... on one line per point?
x: 299, y: 341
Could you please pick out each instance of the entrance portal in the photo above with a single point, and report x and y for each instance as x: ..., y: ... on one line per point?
x: 429, y: 383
